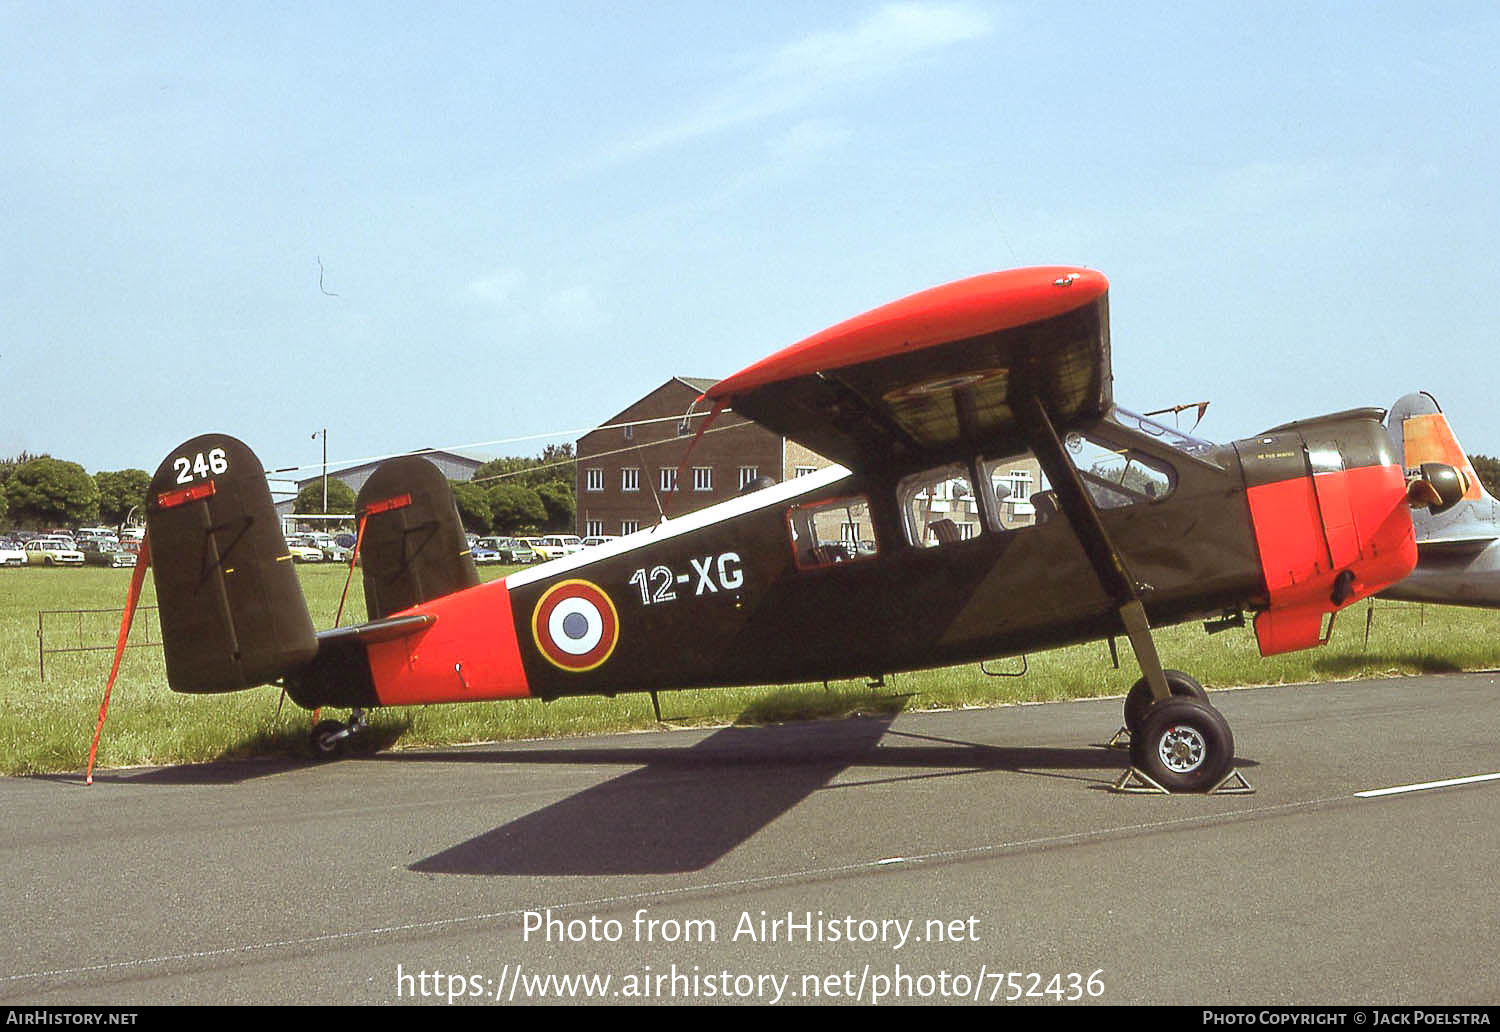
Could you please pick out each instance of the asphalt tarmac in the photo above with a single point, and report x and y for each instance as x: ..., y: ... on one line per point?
x: 935, y: 857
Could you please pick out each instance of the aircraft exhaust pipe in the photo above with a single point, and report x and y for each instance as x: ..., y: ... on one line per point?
x: 1437, y: 488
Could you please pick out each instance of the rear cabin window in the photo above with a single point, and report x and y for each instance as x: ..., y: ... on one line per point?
x: 835, y: 531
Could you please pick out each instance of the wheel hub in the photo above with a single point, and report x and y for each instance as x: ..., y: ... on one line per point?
x: 1182, y: 749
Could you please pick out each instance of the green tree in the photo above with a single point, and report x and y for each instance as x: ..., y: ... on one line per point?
x: 505, y: 470
x: 555, y: 463
x: 4, y: 506
x: 515, y: 508
x: 1488, y: 468
x: 557, y: 499
x: 50, y: 491
x: 473, y: 506
x: 121, y: 491
x: 310, y: 498
x: 9, y: 466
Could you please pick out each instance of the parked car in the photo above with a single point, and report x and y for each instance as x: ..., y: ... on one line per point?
x: 512, y: 550
x: 102, y: 553
x: 598, y: 539
x: 52, y: 552
x: 555, y: 545
x: 10, y: 555
x: 483, y: 556
x: 535, y: 544
x: 302, y: 551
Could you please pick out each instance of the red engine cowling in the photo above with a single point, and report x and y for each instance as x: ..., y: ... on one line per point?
x: 1328, y: 500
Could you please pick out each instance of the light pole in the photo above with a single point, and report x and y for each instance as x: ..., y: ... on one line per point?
x: 324, y: 433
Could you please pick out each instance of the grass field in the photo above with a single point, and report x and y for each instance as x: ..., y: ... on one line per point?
x: 46, y: 725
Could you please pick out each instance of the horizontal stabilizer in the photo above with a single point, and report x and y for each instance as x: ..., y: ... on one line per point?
x: 1455, y: 546
x: 231, y: 608
x: 412, y: 541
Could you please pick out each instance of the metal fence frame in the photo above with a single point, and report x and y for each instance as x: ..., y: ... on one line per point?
x: 42, y: 651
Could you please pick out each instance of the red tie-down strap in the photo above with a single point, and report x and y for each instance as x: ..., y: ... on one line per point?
x: 137, y: 581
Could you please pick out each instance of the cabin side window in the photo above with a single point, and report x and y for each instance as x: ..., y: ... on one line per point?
x: 939, y: 507
x: 838, y: 530
x: 1020, y: 495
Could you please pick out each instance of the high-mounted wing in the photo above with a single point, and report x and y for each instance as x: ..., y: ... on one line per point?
x: 935, y: 375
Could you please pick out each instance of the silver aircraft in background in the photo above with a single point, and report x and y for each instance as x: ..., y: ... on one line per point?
x: 1458, y: 549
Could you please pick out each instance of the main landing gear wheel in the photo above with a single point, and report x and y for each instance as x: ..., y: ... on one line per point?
x: 330, y: 738
x: 1184, y: 745
x: 1140, y: 700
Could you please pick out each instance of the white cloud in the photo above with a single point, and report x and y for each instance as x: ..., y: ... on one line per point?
x: 814, y: 66
x: 809, y: 139
x: 497, y: 288
x: 572, y: 308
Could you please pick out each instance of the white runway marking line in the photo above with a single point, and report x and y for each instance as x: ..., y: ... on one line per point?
x: 1426, y: 785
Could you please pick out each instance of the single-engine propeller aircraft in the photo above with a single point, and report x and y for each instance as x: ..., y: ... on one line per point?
x: 992, y: 499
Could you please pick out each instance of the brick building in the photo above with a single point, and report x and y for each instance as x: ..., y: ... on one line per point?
x: 627, y: 468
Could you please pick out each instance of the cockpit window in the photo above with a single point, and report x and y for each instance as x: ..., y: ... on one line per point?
x: 1118, y: 476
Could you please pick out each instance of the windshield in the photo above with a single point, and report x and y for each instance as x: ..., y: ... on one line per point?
x: 1194, y: 446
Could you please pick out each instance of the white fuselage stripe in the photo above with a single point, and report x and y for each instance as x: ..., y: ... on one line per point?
x: 668, y: 529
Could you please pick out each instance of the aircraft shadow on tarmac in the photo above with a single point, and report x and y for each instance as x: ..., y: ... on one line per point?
x: 684, y: 808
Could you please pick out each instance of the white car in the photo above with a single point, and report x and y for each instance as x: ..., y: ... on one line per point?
x: 555, y: 545
x: 598, y: 539
x: 12, y: 556
x: 52, y: 552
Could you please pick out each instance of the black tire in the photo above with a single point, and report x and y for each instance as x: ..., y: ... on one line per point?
x: 324, y: 745
x: 1140, y: 700
x: 1184, y: 745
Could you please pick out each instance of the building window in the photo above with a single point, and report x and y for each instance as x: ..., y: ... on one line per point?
x: 594, y: 528
x: 667, y: 482
x: 685, y: 427
x: 629, y: 430
x: 703, y: 478
x: 748, y: 475
x: 629, y: 526
x: 630, y: 479
x: 595, y: 479
x: 803, y: 471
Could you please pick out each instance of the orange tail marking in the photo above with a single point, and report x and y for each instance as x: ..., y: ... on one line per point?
x: 1429, y: 438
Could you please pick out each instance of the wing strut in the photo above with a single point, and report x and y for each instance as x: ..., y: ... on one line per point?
x: 1109, y: 564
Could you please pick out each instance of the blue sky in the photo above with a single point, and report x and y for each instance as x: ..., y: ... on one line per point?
x: 529, y: 215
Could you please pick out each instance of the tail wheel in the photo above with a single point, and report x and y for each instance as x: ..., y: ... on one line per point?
x: 1140, y: 700
x: 1184, y: 745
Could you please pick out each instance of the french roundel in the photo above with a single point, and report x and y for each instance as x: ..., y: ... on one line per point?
x: 575, y: 625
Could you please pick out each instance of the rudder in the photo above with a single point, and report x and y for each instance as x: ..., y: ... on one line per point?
x: 412, y: 541
x: 231, y: 608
